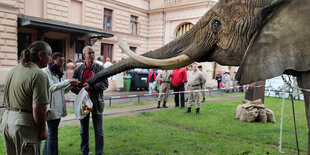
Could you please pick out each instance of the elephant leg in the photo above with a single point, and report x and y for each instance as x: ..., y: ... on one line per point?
x: 307, y: 108
x: 303, y: 80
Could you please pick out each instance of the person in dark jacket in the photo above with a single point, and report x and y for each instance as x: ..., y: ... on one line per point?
x: 218, y: 78
x: 86, y: 71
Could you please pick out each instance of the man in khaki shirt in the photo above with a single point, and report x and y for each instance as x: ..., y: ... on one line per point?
x: 195, y: 81
x: 25, y: 97
x: 164, y: 78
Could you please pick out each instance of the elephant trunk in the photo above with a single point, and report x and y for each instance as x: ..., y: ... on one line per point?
x: 189, y: 47
x: 172, y: 49
x: 114, y: 69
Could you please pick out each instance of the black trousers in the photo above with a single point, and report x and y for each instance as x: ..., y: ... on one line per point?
x: 218, y: 83
x: 176, y: 95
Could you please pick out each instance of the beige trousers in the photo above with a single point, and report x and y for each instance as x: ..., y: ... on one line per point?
x: 164, y: 88
x: 21, y: 136
x: 193, y: 96
x: 203, y: 93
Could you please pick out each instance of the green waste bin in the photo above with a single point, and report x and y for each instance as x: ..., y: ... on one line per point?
x: 127, y: 83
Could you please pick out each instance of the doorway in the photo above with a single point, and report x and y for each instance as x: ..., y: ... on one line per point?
x: 24, y: 40
x: 78, y: 52
x: 57, y: 45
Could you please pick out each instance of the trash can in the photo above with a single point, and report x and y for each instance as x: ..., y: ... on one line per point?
x: 127, y: 83
x: 139, y: 80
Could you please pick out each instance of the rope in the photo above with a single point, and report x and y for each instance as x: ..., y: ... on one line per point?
x: 289, y: 84
x: 292, y: 99
x: 281, y: 124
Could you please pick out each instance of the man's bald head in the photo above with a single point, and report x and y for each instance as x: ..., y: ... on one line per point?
x: 87, y: 49
x: 89, y: 55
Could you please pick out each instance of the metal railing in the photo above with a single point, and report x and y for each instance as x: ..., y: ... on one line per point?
x: 109, y: 99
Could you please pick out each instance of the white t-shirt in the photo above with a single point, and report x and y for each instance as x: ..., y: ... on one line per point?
x: 99, y: 62
x: 107, y: 64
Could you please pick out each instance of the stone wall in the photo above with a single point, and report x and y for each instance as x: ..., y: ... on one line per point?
x: 8, y: 38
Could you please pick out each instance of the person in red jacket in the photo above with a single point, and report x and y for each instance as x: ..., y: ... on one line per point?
x: 179, y: 77
x: 151, y: 78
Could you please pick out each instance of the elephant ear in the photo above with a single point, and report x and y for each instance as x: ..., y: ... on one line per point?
x: 283, y: 45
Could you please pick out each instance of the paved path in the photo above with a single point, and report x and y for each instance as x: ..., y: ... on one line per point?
x: 127, y: 111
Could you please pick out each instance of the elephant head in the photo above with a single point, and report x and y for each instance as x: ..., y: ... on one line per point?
x: 224, y: 34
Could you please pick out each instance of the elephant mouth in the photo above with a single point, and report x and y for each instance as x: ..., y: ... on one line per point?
x: 227, y: 56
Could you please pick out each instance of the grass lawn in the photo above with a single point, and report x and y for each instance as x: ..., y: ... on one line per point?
x: 172, y: 131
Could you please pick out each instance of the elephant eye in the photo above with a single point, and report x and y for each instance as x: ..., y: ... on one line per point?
x: 216, y: 24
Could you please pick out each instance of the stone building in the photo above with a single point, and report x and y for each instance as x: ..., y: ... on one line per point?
x: 68, y: 25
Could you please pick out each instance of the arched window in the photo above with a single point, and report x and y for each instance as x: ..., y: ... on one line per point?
x: 183, y: 29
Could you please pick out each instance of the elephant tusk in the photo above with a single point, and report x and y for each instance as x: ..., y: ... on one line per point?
x: 151, y: 61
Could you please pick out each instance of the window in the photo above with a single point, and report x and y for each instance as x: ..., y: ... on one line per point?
x: 24, y: 40
x: 184, y: 28
x: 106, y: 51
x: 107, y: 20
x: 133, y: 25
x: 78, y: 53
x: 134, y: 49
x: 76, y: 13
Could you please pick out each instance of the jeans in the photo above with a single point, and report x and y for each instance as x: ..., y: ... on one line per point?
x: 51, y: 143
x: 99, y: 136
x: 176, y: 95
x: 151, y: 84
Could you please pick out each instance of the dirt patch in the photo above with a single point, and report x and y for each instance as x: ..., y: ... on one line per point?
x: 220, y: 135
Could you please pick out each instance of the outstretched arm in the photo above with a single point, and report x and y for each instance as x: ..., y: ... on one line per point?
x: 77, y: 88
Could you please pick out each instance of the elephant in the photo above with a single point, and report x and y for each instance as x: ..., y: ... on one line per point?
x: 265, y: 38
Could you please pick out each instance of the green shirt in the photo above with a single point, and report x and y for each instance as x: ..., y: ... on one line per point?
x: 25, y: 86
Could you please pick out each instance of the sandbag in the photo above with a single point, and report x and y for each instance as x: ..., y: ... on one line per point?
x: 251, y: 115
x: 258, y: 101
x: 243, y: 116
x: 262, y: 116
x: 270, y: 116
x: 239, y: 111
x: 246, y: 105
x: 259, y: 106
x: 245, y: 101
x: 249, y: 112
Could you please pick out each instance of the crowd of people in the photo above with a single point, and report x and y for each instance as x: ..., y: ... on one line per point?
x: 37, y: 100
x: 226, y: 81
x: 189, y: 78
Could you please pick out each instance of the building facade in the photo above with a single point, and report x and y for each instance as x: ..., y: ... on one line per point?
x: 69, y: 25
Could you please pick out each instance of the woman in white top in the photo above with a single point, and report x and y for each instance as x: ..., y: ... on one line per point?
x: 57, y: 108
